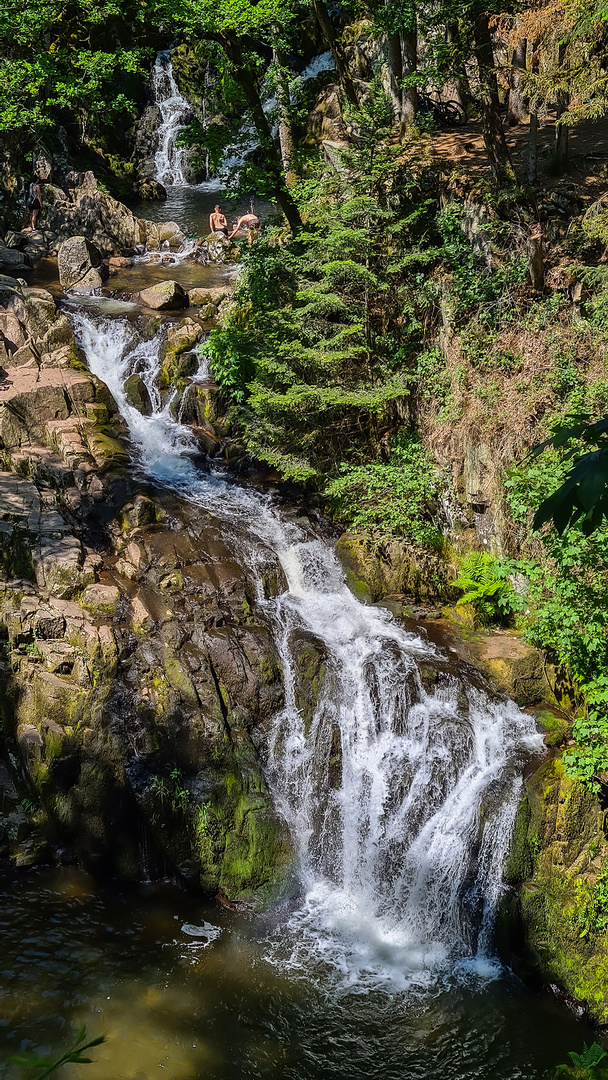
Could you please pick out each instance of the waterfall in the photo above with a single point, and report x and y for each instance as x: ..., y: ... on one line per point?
x: 400, y: 799
x: 171, y: 161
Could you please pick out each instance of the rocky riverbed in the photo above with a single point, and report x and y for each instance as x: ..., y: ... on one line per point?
x: 139, y: 672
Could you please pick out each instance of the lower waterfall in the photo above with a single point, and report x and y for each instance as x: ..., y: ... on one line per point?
x: 400, y: 800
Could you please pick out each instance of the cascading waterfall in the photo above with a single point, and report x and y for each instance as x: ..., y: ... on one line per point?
x: 401, y: 801
x: 171, y: 160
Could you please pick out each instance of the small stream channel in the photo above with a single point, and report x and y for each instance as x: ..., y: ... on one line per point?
x: 386, y: 967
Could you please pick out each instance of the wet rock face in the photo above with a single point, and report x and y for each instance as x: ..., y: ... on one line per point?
x: 81, y: 209
x: 139, y: 675
x: 397, y: 567
x: 142, y: 701
x: 80, y: 266
x: 138, y: 394
x: 555, y: 872
x: 165, y: 296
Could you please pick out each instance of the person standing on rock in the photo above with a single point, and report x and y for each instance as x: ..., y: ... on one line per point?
x: 249, y: 221
x: 218, y: 222
x: 34, y: 201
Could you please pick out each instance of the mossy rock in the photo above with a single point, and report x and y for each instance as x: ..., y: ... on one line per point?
x: 373, y: 570
x: 108, y: 453
x: 559, y: 847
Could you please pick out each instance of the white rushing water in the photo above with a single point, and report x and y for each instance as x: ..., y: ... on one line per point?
x: 171, y: 160
x: 401, y: 801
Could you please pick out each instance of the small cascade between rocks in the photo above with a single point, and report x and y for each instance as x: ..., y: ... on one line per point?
x: 400, y: 794
x: 170, y: 159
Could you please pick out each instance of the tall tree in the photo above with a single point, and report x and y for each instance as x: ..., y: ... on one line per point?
x: 458, y: 38
x: 333, y: 42
x: 399, y: 21
x: 517, y: 109
x: 286, y: 139
x: 76, y: 63
x: 492, y: 129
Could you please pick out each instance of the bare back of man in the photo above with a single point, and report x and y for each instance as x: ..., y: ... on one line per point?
x: 217, y: 221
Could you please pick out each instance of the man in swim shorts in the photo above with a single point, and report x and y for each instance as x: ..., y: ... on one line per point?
x: 218, y: 222
x: 251, y: 222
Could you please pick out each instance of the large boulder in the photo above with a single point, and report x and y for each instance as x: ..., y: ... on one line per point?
x: 326, y: 121
x: 138, y: 395
x: 82, y: 209
x: 149, y: 189
x: 203, y: 297
x: 166, y: 296
x: 13, y: 261
x: 80, y: 265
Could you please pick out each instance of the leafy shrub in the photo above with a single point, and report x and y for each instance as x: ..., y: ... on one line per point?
x: 592, y: 916
x: 484, y: 580
x: 567, y: 579
x: 43, y: 1066
x: 589, y: 1065
x: 390, y: 498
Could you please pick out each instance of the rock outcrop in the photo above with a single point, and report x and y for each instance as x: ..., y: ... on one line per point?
x: 139, y: 675
x: 165, y: 296
x: 82, y: 209
x: 80, y: 263
x: 556, y: 908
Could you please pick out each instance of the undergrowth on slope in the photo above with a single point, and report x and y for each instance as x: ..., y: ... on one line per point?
x: 390, y: 498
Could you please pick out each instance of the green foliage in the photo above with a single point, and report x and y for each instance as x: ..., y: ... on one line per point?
x: 208, y: 144
x: 566, y: 607
x: 592, y: 915
x: 172, y: 795
x: 81, y: 66
x: 389, y: 498
x: 484, y: 581
x: 315, y: 346
x: 473, y: 286
x: 38, y: 1068
x: 583, y: 494
x: 585, y: 1066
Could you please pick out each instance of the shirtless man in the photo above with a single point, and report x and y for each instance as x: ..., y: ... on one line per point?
x: 251, y: 222
x: 217, y: 221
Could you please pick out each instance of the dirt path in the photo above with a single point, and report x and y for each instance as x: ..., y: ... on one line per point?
x: 463, y: 152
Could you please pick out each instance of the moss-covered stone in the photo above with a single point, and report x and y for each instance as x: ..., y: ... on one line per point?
x: 559, y: 848
x: 393, y: 567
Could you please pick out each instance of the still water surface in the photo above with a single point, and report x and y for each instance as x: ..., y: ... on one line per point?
x: 225, y: 1006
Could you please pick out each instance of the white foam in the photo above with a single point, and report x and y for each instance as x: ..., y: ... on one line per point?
x: 400, y: 802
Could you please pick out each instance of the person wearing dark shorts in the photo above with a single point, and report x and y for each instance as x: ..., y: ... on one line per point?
x: 251, y: 222
x: 34, y: 201
x: 218, y: 222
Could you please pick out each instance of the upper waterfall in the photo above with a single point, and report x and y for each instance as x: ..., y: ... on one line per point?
x: 170, y: 159
x: 400, y: 797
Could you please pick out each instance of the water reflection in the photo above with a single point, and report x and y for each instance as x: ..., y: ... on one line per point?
x: 186, y: 987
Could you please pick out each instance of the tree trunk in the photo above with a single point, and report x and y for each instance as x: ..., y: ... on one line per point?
x: 286, y: 141
x: 516, y: 108
x: 492, y: 129
x: 561, y: 131
x: 533, y: 148
x: 409, y: 63
x: 536, y: 262
x: 273, y: 163
x: 395, y: 71
x: 333, y: 42
x: 459, y: 90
